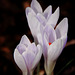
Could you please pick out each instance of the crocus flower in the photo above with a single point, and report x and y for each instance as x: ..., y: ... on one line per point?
x: 52, y: 42
x: 37, y: 17
x: 27, y: 55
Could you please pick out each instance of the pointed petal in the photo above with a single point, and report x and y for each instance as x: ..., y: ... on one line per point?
x: 42, y: 19
x: 19, y: 60
x: 54, y: 18
x: 34, y: 25
x: 21, y: 48
x: 64, y: 40
x: 36, y: 6
x: 54, y: 50
x: 29, y: 57
x: 33, y: 48
x: 62, y: 28
x: 38, y: 56
x: 48, y: 11
x: 25, y: 40
x: 29, y: 10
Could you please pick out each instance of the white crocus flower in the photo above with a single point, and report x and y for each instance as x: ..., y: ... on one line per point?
x: 53, y: 42
x: 27, y: 55
x: 37, y: 17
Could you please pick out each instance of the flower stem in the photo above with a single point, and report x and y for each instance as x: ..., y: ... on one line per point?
x: 38, y: 68
x: 65, y: 66
x: 28, y: 73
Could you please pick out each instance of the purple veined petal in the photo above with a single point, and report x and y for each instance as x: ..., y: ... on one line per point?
x: 42, y: 19
x: 19, y: 60
x: 48, y: 12
x: 43, y: 41
x: 50, y: 34
x: 29, y: 10
x: 38, y: 56
x: 62, y: 28
x: 25, y: 41
x: 33, y: 48
x: 21, y: 48
x: 29, y: 57
x: 54, y: 18
x: 54, y: 50
x: 36, y: 6
x: 45, y: 47
x: 34, y: 25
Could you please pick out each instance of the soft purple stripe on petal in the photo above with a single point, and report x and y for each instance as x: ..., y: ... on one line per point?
x: 48, y: 12
x: 29, y: 57
x: 33, y: 48
x: 21, y: 48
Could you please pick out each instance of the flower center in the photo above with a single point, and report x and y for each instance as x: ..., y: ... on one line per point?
x: 49, y: 43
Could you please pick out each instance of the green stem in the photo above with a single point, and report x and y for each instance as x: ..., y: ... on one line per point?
x: 38, y: 68
x: 65, y: 66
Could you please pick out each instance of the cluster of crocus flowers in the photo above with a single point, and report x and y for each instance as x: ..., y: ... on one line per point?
x: 49, y: 38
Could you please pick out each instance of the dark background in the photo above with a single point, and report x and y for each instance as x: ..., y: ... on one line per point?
x: 13, y: 24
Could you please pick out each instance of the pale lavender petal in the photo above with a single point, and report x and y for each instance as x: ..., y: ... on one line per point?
x: 39, y: 37
x: 33, y: 48
x: 54, y: 18
x: 45, y: 47
x: 64, y: 40
x: 29, y: 10
x: 62, y: 28
x: 25, y: 40
x: 43, y: 41
x: 29, y: 57
x: 50, y: 34
x: 42, y: 19
x: 34, y: 25
x: 38, y: 57
x: 54, y: 50
x: 48, y: 11
x: 21, y: 48
x: 36, y: 6
x: 19, y: 60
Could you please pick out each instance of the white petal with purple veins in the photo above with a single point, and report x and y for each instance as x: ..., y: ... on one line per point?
x: 33, y: 48
x: 25, y: 41
x: 42, y: 19
x: 29, y: 57
x: 21, y: 48
x: 38, y: 56
x: 20, y: 61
